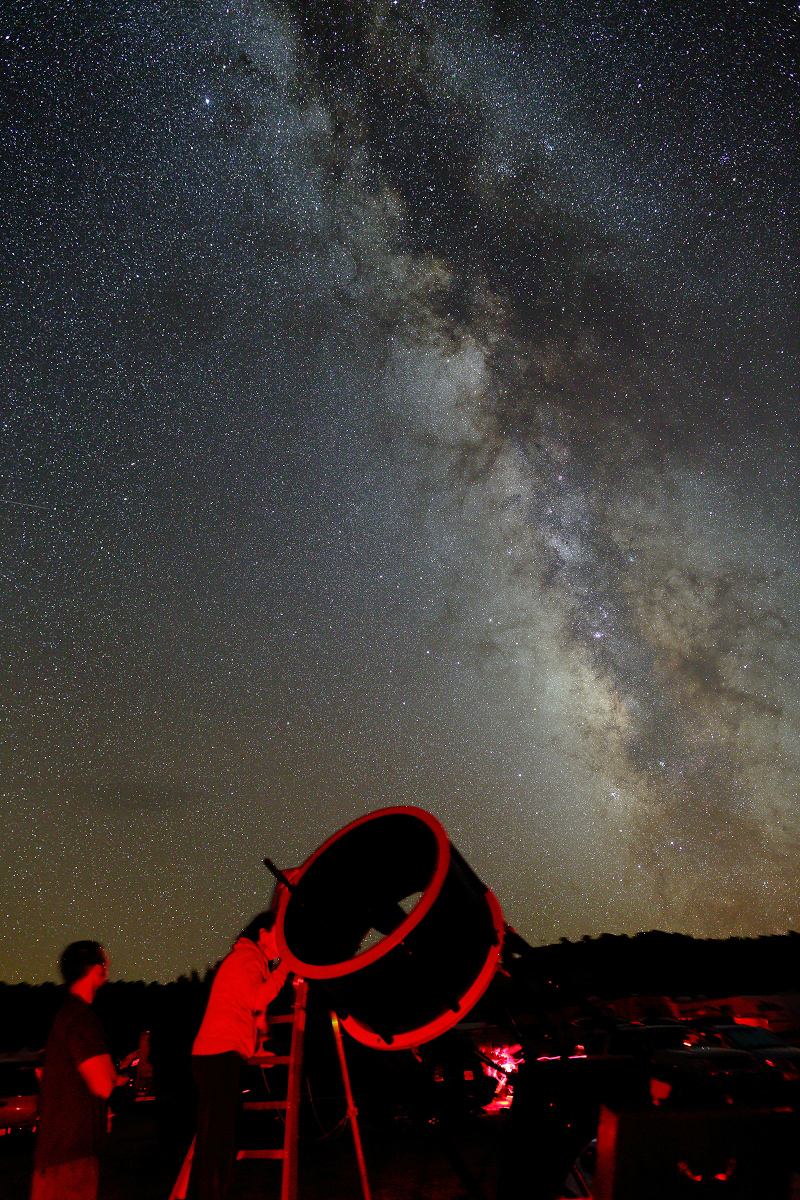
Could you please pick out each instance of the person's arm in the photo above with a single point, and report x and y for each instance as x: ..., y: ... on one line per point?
x: 257, y: 992
x: 267, y: 993
x: 100, y: 1075
x: 274, y: 983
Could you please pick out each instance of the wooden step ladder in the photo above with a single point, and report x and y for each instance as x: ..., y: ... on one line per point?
x: 288, y: 1155
x: 291, y: 1104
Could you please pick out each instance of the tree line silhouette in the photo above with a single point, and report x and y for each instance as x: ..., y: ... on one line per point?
x: 669, y: 964
x: 607, y: 967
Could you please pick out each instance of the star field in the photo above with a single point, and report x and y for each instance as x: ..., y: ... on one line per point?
x: 400, y: 406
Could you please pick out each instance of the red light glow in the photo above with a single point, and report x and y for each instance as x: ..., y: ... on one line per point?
x: 558, y: 1057
x: 506, y: 1059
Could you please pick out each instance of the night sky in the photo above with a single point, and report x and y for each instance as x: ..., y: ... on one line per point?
x: 400, y: 405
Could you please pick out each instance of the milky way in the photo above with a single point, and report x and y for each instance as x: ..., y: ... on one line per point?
x: 401, y: 409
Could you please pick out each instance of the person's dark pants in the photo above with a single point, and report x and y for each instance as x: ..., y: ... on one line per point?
x: 218, y: 1079
x: 73, y: 1180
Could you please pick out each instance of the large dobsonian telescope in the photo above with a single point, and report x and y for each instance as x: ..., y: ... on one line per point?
x: 388, y: 916
x: 397, y: 928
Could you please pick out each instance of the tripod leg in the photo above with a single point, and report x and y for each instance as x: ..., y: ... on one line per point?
x: 182, y: 1182
x: 352, y: 1111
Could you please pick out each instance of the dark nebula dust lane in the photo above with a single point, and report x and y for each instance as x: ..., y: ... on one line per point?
x: 400, y: 406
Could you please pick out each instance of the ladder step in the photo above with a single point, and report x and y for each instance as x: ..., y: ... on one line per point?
x: 282, y: 1019
x: 269, y: 1060
x: 261, y: 1154
x: 261, y: 1105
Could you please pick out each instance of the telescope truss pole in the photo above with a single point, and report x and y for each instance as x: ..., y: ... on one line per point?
x: 352, y: 1111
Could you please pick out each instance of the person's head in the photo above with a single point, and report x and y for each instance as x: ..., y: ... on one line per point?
x: 264, y: 920
x: 261, y: 930
x: 84, y: 966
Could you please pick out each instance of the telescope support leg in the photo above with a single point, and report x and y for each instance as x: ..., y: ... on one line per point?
x: 182, y: 1182
x: 352, y: 1111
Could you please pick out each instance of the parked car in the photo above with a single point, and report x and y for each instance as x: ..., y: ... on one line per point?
x: 642, y: 1041
x: 708, y: 1074
x: 579, y: 1181
x: 19, y: 1090
x: 762, y: 1044
x: 695, y: 1060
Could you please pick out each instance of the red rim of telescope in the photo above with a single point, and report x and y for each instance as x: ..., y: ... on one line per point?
x: 425, y: 1033
x: 387, y: 943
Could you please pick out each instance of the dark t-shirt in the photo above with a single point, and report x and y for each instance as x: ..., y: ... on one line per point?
x: 72, y: 1120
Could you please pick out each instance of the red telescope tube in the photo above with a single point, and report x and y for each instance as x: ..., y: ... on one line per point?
x: 395, y: 924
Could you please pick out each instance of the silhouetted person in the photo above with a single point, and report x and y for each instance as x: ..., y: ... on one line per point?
x: 78, y: 1076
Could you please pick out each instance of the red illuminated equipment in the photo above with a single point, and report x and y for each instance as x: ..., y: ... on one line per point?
x: 389, y: 916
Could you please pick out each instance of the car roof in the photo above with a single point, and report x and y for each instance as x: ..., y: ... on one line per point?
x: 22, y: 1058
